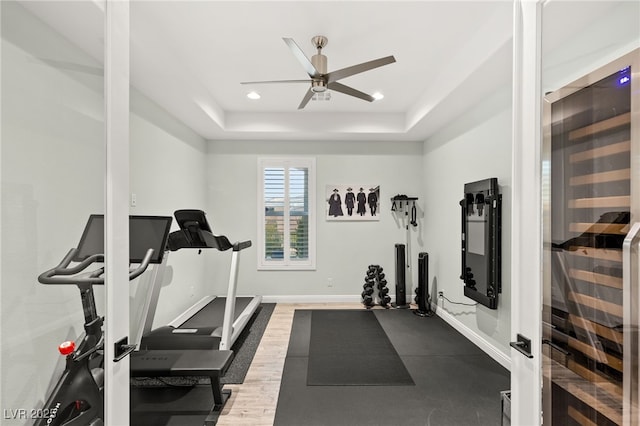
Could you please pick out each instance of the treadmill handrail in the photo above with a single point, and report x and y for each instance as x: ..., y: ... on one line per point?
x: 63, y: 274
x: 241, y: 245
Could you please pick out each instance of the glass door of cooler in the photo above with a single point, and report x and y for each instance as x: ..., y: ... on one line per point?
x: 590, y: 300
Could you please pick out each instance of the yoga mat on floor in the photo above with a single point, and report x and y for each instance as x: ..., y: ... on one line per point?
x: 350, y: 348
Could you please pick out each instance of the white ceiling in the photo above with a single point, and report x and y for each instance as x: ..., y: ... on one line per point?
x: 190, y: 57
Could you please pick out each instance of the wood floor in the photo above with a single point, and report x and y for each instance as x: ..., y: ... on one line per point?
x: 254, y: 402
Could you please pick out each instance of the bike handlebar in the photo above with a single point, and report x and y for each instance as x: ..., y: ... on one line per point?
x: 143, y: 266
x: 63, y: 274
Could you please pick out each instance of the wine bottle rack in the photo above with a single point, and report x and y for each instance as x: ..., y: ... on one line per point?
x: 591, y: 200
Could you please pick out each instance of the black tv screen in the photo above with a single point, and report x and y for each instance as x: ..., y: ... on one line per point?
x: 145, y: 232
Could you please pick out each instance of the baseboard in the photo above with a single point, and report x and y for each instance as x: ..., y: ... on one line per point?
x: 474, y: 337
x: 325, y: 298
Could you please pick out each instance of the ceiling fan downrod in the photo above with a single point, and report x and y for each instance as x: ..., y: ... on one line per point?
x: 319, y: 61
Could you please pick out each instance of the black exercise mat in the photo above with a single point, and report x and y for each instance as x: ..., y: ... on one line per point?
x: 246, y: 345
x: 456, y: 383
x: 350, y: 348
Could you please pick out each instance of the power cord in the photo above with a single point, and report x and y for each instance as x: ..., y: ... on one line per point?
x: 457, y: 303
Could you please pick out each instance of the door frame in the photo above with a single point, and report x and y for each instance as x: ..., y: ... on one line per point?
x: 116, y: 122
x: 527, y: 216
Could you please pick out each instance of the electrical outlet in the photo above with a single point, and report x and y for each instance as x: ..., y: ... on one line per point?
x: 134, y: 200
x: 329, y: 282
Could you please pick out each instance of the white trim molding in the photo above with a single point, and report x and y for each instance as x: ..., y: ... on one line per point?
x: 526, y: 215
x: 497, y: 355
x: 336, y: 298
x: 116, y: 98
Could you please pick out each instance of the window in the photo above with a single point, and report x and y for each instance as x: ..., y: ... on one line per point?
x: 286, y: 213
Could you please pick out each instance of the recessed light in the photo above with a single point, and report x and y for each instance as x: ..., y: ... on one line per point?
x: 377, y: 96
x: 253, y: 95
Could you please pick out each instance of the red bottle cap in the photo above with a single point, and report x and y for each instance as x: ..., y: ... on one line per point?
x: 67, y: 347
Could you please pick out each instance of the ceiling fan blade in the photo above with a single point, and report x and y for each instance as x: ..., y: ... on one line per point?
x: 301, y: 57
x: 339, y: 87
x: 306, y: 99
x: 276, y: 81
x: 356, y: 69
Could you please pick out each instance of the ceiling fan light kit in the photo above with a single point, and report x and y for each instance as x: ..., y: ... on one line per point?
x: 320, y: 79
x: 318, y: 86
x: 324, y: 96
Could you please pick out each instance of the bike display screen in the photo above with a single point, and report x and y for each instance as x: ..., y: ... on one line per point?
x: 145, y: 232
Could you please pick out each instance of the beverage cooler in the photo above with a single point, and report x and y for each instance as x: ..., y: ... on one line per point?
x: 591, y: 190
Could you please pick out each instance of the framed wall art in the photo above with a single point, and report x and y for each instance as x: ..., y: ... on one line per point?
x: 352, y: 202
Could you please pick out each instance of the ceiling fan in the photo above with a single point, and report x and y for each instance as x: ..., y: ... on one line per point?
x: 321, y: 80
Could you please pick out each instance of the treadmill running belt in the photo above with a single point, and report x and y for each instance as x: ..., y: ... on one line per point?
x: 212, y: 314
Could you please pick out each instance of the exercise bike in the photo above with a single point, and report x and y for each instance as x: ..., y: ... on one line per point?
x: 78, y: 397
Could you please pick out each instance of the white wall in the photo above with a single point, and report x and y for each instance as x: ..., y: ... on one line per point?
x: 568, y: 53
x: 168, y: 163
x: 344, y: 249
x: 52, y: 178
x: 475, y: 147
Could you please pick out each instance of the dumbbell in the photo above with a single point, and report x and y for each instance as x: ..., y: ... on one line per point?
x: 367, y: 300
x: 384, y: 300
x: 383, y: 291
x: 367, y: 292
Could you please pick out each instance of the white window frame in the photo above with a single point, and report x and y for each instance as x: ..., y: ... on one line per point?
x: 286, y: 263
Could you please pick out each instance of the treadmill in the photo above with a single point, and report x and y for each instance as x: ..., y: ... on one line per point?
x: 213, y: 322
